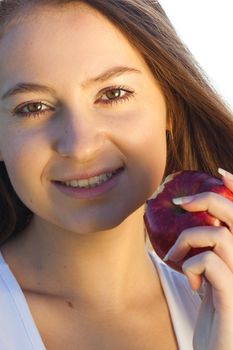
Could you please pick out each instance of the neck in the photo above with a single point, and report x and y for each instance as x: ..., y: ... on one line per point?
x: 109, y: 269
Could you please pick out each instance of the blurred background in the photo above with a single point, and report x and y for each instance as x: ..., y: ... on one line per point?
x: 206, y: 27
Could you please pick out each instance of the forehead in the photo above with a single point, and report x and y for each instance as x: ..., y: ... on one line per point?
x: 77, y: 36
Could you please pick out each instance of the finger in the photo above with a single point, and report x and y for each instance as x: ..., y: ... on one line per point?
x: 218, y: 238
x: 227, y: 178
x: 215, y: 204
x: 217, y: 274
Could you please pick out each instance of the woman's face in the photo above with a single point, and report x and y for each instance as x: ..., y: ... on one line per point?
x: 79, y: 131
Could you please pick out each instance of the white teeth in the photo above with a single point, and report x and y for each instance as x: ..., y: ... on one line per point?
x: 81, y: 183
x: 87, y: 183
x: 72, y: 183
x: 92, y: 180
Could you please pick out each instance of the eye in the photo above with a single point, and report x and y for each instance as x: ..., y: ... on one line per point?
x: 116, y: 94
x: 34, y: 109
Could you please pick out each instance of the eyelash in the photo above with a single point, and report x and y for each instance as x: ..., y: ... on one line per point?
x: 125, y: 98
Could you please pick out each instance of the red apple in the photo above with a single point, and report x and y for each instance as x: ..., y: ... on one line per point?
x: 165, y: 221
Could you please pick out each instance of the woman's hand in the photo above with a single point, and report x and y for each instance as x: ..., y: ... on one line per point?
x: 214, y: 328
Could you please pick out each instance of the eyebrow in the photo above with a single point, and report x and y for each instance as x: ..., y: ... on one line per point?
x: 33, y: 87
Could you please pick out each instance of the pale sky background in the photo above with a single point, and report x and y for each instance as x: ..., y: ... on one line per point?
x: 206, y: 27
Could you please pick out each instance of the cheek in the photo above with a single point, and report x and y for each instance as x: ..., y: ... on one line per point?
x: 145, y: 148
x: 150, y: 163
x: 24, y: 163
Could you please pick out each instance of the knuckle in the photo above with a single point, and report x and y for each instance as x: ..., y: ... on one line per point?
x: 208, y: 257
x: 224, y: 232
x: 205, y: 195
x: 185, y: 234
x: 210, y: 197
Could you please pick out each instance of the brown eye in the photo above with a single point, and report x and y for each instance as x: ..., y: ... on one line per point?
x: 34, y: 107
x: 113, y: 93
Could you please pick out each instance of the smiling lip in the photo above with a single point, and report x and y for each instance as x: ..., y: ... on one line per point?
x: 92, y: 192
x: 89, y: 174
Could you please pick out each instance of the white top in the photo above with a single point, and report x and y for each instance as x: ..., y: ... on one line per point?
x: 183, y: 304
x: 18, y: 330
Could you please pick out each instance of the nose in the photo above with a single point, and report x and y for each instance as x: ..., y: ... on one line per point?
x: 79, y: 138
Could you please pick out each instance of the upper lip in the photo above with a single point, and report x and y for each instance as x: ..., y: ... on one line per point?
x: 88, y: 174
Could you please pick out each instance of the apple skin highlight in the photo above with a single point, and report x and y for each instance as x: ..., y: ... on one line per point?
x: 165, y: 221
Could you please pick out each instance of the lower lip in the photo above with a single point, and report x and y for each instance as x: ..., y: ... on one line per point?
x: 93, y: 192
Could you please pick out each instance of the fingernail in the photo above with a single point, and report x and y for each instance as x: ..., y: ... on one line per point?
x: 225, y: 174
x: 166, y: 257
x: 182, y: 200
x: 169, y: 253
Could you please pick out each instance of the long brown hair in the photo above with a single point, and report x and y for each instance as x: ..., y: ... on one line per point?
x: 201, y: 124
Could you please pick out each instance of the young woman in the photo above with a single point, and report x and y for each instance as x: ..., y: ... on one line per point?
x: 100, y: 101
